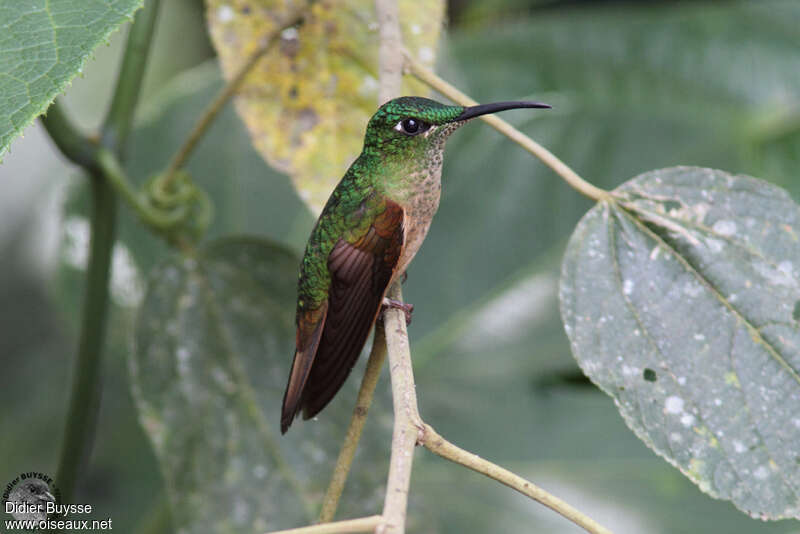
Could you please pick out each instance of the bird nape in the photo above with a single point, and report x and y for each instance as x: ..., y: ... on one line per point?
x: 368, y: 232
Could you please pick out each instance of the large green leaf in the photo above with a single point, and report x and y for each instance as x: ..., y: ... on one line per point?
x: 43, y: 45
x: 681, y: 303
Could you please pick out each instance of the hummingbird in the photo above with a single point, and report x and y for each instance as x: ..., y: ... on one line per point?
x: 370, y: 229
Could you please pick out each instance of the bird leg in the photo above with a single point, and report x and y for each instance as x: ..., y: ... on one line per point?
x: 407, y: 308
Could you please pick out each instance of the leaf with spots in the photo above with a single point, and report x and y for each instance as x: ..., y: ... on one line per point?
x: 679, y: 300
x: 213, y: 344
x: 308, y: 100
x: 43, y: 45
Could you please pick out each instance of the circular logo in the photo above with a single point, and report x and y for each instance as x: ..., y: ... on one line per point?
x: 30, y: 496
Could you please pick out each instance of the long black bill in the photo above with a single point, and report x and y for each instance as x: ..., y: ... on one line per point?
x: 483, y: 109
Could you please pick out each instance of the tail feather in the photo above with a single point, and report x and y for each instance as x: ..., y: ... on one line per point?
x: 309, y: 332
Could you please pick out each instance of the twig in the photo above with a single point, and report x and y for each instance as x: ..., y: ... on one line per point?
x: 440, y: 446
x: 407, y: 423
x: 342, y: 468
x: 226, y: 93
x: 364, y: 524
x: 427, y: 76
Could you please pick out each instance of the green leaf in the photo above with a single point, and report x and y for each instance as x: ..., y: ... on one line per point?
x: 202, y: 318
x: 678, y: 301
x: 308, y: 101
x: 43, y: 45
x: 212, y: 349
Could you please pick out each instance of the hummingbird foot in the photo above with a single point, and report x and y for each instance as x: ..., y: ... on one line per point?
x: 407, y: 308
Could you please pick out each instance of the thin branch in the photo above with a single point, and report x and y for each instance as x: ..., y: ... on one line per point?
x: 342, y: 468
x: 226, y: 93
x: 430, y: 78
x: 407, y: 423
x: 440, y: 446
x: 364, y: 524
x: 119, y: 118
x: 76, y: 147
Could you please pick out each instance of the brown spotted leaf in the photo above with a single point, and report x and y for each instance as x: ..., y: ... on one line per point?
x: 307, y: 102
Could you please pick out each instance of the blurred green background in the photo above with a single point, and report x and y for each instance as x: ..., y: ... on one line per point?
x: 635, y: 86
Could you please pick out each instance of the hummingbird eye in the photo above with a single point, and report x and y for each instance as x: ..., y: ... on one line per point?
x: 411, y: 126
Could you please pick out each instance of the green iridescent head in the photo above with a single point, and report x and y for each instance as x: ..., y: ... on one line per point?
x: 412, y: 122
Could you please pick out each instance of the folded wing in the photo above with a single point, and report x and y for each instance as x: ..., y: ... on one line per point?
x: 330, y: 338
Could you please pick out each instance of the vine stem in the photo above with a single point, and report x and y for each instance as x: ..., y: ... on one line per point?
x: 365, y: 394
x: 84, y: 403
x: 430, y: 78
x: 226, y: 93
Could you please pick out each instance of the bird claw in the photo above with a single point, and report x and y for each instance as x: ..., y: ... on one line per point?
x: 407, y: 308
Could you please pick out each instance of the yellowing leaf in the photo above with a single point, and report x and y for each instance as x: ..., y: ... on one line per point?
x: 307, y: 102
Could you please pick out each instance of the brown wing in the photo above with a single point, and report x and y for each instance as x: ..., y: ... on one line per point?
x: 328, y: 346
